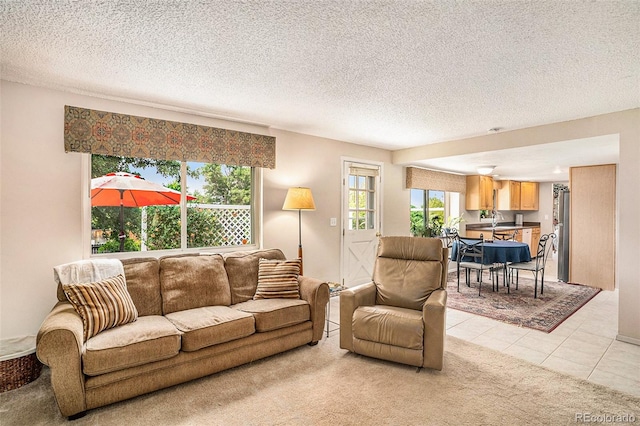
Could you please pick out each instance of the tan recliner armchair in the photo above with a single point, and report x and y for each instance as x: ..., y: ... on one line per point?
x: 400, y: 316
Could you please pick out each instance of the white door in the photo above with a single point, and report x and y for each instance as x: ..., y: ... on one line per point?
x: 361, y: 221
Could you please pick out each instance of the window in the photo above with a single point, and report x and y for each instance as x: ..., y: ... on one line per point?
x: 222, y: 213
x: 362, y: 201
x: 432, y: 210
x: 219, y: 211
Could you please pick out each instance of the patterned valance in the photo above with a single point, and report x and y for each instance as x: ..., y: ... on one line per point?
x: 418, y: 178
x: 108, y: 133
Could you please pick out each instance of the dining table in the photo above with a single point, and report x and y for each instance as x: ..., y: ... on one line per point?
x: 498, y: 252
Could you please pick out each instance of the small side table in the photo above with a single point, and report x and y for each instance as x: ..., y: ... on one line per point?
x: 334, y: 290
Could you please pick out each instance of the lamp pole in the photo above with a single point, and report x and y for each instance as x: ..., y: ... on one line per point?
x: 300, y: 238
x: 299, y: 198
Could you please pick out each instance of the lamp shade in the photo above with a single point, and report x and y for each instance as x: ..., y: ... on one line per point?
x: 299, y: 198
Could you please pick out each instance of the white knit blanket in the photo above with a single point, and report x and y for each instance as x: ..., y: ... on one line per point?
x: 87, y: 271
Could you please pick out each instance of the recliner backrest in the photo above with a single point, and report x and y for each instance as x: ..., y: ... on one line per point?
x: 408, y: 269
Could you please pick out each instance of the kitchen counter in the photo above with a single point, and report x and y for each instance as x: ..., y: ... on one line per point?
x: 528, y: 232
x: 501, y: 226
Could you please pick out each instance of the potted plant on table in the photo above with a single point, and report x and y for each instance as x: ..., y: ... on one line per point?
x: 432, y: 229
x: 453, y: 222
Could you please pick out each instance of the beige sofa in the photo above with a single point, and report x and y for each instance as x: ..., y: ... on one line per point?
x: 196, y: 316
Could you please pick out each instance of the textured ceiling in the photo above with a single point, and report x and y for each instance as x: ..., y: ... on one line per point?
x: 391, y: 74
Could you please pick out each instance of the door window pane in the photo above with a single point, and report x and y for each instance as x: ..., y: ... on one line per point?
x: 362, y: 201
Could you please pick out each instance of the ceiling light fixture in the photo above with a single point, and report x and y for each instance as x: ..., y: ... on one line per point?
x: 485, y: 170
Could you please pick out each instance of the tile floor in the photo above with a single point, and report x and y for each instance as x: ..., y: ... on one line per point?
x: 584, y: 345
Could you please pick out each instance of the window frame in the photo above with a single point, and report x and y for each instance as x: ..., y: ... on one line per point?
x: 369, y: 211
x: 257, y: 215
x: 447, y: 208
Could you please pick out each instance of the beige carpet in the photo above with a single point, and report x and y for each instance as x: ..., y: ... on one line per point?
x: 324, y: 385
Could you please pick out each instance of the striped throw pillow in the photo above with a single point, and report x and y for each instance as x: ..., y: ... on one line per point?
x: 102, y: 305
x: 278, y: 279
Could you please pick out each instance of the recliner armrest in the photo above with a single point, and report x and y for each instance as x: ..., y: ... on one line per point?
x: 434, y: 315
x: 350, y: 299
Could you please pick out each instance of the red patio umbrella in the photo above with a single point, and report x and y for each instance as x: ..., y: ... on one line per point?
x: 128, y: 190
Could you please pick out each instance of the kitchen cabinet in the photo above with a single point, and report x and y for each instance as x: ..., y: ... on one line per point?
x: 528, y: 195
x: 508, y: 196
x: 476, y: 234
x: 479, y: 194
x: 535, y: 239
x: 514, y: 195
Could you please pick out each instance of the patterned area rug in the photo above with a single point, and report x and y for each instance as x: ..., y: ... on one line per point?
x: 559, y: 301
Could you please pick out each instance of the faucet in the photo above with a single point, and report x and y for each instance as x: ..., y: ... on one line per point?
x: 495, y: 215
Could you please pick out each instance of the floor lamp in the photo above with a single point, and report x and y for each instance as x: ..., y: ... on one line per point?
x: 299, y: 198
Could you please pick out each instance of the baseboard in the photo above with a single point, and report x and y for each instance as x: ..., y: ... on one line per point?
x: 628, y: 339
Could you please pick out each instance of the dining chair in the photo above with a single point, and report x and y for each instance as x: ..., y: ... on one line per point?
x: 505, y: 235
x: 470, y: 255
x: 450, y: 235
x: 536, y: 266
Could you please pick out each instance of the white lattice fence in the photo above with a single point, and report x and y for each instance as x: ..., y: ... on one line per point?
x: 235, y: 223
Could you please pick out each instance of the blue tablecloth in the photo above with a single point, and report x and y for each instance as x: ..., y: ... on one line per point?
x: 500, y: 252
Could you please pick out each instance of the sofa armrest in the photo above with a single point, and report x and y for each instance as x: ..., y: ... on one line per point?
x: 434, y: 315
x: 315, y: 292
x: 350, y: 299
x: 59, y: 345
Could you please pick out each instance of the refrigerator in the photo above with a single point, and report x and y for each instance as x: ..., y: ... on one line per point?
x: 564, y: 205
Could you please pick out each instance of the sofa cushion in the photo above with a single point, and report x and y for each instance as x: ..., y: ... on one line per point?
x: 210, y: 325
x: 193, y: 281
x: 242, y: 269
x: 150, y: 338
x: 278, y: 279
x: 272, y: 314
x: 143, y: 283
x: 389, y: 325
x: 102, y: 305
